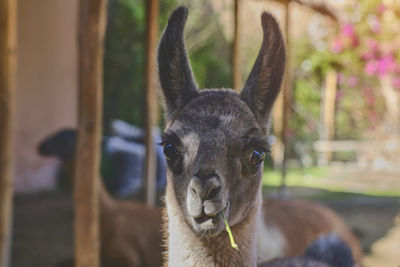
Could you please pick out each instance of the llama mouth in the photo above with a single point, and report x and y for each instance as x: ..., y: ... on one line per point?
x: 203, y: 218
x: 212, y: 222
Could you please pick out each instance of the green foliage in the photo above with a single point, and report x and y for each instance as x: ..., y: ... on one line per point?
x: 124, y: 59
x: 361, y: 50
x: 211, y: 65
x: 323, y: 178
x: 305, y: 119
x: 124, y: 62
x: 295, y: 177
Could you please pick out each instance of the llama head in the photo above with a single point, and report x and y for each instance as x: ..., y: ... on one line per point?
x: 60, y: 144
x: 215, y: 139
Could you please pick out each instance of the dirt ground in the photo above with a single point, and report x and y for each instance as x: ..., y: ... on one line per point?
x: 43, y: 233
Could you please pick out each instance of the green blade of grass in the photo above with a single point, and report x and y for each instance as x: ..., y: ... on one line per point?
x: 228, y: 229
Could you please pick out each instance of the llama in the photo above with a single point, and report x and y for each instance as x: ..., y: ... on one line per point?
x: 215, y: 142
x: 287, y: 214
x: 294, y: 224
x: 130, y: 232
x: 325, y: 251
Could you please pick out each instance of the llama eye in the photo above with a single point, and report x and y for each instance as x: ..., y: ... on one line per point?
x: 170, y: 152
x: 256, y: 157
x: 174, y: 158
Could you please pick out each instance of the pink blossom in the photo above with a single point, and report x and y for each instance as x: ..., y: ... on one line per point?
x: 337, y: 45
x: 381, y: 8
x: 348, y: 30
x: 369, y: 96
x: 371, y: 68
x: 339, y: 95
x: 372, y: 50
x: 374, y: 23
x: 387, y: 64
x: 340, y: 78
x: 396, y: 82
x: 354, y: 41
x: 349, y: 35
x: 384, y: 65
x: 375, y: 26
x: 352, y: 81
x: 372, y: 44
x: 369, y: 55
x: 373, y: 117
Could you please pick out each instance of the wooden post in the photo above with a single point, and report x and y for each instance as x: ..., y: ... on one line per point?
x: 152, y: 11
x: 92, y: 21
x: 8, y: 55
x: 236, y: 55
x: 277, y: 150
x: 391, y: 99
x: 278, y: 116
x: 287, y: 100
x: 328, y: 112
x: 282, y: 106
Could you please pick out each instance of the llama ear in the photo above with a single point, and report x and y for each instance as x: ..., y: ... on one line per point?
x: 264, y: 82
x: 175, y: 73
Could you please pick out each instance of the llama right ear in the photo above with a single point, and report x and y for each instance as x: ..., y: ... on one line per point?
x: 176, y: 76
x: 264, y: 82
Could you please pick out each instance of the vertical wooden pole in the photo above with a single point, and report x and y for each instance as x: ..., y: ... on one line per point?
x: 328, y: 112
x: 236, y: 55
x: 152, y: 11
x: 277, y: 124
x: 282, y: 107
x: 391, y: 97
x: 278, y: 116
x: 92, y: 21
x: 287, y: 83
x: 8, y: 46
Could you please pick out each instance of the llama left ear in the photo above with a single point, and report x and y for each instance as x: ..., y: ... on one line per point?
x: 264, y: 82
x: 176, y: 77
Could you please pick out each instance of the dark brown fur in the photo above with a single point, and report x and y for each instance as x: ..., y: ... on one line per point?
x: 130, y: 232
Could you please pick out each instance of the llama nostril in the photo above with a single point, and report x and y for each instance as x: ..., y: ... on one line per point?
x: 205, y: 189
x: 214, y: 192
x: 194, y: 191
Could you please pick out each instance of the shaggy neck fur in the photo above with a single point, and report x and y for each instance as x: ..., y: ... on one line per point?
x: 185, y: 248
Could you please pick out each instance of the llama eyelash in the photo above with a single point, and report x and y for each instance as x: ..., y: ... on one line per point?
x: 170, y: 137
x: 256, y: 143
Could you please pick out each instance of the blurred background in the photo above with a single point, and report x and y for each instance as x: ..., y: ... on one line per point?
x: 339, y: 116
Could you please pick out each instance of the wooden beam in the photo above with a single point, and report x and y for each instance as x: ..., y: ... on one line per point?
x: 329, y: 111
x: 8, y: 56
x: 319, y: 7
x: 236, y: 55
x: 282, y: 105
x: 287, y: 96
x: 92, y: 21
x: 277, y: 150
x: 281, y: 111
x: 391, y: 99
x: 152, y: 10
x: 346, y: 145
